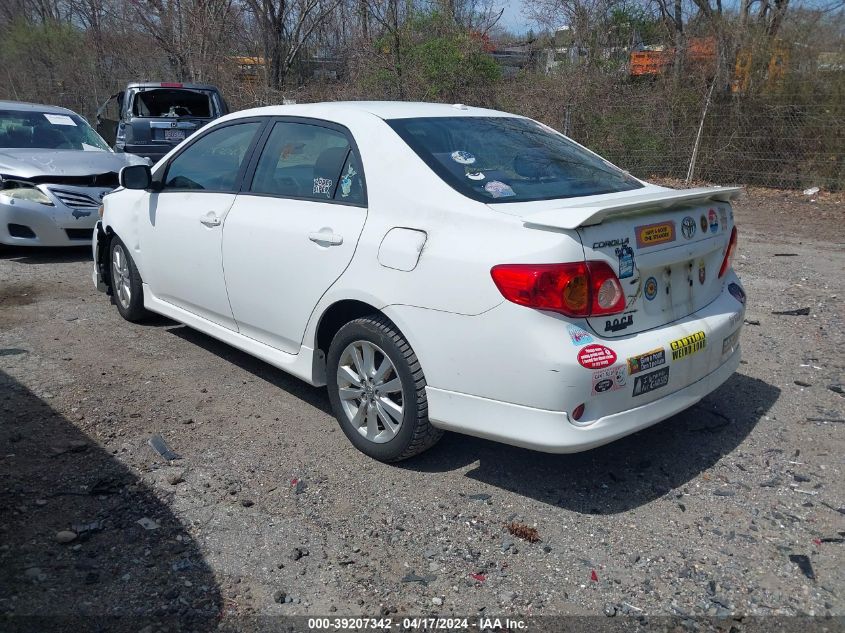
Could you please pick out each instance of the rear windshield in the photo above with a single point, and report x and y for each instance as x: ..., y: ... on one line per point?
x: 505, y: 159
x: 30, y: 129
x: 172, y: 102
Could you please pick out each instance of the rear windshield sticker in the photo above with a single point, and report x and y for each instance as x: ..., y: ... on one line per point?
x: 609, y: 379
x: 498, y: 189
x: 650, y: 289
x: 688, y: 227
x: 714, y: 221
x: 579, y: 336
x: 702, y: 271
x: 654, y: 234
x: 644, y: 362
x: 688, y: 345
x: 650, y: 382
x: 619, y: 324
x: 462, y: 157
x: 475, y: 175
x: 626, y: 261
x: 596, y: 357
x: 60, y: 119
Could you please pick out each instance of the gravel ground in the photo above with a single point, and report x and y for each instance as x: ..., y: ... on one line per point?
x: 728, y: 509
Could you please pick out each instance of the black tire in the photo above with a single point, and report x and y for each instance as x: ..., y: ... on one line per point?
x: 133, y: 310
x: 415, y: 434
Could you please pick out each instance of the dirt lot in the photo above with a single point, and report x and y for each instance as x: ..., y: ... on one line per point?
x: 729, y: 509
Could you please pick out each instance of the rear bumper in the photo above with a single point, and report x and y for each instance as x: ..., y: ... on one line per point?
x: 551, y: 431
x: 514, y: 375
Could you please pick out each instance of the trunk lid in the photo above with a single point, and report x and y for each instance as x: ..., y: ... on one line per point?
x: 666, y: 246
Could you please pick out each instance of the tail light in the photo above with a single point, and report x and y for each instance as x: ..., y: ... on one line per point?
x: 578, y: 289
x: 171, y: 84
x: 729, y: 254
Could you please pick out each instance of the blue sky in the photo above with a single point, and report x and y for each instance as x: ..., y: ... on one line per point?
x: 512, y: 18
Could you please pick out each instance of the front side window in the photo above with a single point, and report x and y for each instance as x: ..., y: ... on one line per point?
x: 308, y: 161
x: 30, y: 129
x: 214, y: 161
x: 509, y: 159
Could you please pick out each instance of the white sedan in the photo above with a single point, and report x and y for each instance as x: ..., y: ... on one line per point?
x: 437, y: 267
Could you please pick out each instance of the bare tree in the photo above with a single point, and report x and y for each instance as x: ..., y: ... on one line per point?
x: 285, y: 27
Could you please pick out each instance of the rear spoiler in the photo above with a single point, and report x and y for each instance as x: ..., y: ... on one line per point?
x: 586, y: 213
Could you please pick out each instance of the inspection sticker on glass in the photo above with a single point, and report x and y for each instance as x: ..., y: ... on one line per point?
x: 60, y: 119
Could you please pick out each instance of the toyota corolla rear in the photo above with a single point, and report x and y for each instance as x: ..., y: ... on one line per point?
x: 620, y: 307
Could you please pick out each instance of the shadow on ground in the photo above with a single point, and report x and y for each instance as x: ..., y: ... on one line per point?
x: 315, y: 396
x: 115, y: 575
x: 624, y: 474
x: 610, y: 479
x: 46, y: 255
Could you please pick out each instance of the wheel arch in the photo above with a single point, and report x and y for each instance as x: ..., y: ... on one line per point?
x: 341, y: 312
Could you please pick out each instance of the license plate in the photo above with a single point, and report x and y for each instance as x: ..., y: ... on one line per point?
x: 174, y: 135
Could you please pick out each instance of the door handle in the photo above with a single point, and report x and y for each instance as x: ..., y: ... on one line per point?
x: 326, y: 239
x: 210, y: 220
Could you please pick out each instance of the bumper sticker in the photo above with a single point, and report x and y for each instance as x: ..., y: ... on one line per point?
x: 688, y: 345
x: 736, y: 292
x: 596, y: 357
x: 650, y: 382
x: 579, y: 336
x: 650, y: 289
x: 714, y: 221
x: 644, y: 362
x: 688, y: 227
x: 654, y: 234
x: 609, y: 379
x: 626, y: 261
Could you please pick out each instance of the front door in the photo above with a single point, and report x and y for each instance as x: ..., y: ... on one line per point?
x: 292, y: 230
x: 182, y: 237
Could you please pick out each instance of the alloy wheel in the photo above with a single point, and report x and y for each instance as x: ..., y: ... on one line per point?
x: 370, y: 391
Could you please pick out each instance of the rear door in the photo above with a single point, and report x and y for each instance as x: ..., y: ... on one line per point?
x: 293, y: 229
x: 668, y: 263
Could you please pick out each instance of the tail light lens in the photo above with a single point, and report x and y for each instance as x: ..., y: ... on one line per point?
x: 729, y: 254
x: 578, y: 289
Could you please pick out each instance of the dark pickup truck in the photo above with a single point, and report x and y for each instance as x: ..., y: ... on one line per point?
x: 149, y: 119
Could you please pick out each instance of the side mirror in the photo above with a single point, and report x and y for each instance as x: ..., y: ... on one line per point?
x: 135, y: 177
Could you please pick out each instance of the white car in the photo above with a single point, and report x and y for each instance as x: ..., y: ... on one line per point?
x: 437, y: 267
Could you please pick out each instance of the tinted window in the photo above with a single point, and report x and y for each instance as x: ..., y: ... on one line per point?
x: 212, y: 162
x: 301, y: 161
x: 504, y: 159
x: 29, y: 129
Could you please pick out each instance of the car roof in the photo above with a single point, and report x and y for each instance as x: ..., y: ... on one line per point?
x: 170, y: 84
x: 382, y: 109
x: 34, y: 107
